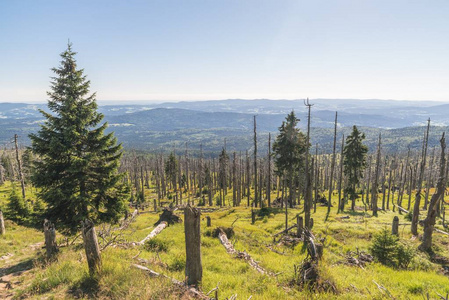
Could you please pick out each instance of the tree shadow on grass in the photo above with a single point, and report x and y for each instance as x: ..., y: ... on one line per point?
x: 19, y: 267
x: 87, y: 286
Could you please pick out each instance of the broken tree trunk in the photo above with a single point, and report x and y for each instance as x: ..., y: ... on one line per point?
x: 194, y: 268
x: 395, y: 226
x: 91, y: 246
x: 153, y: 233
x: 2, y: 224
x: 299, y: 225
x: 429, y: 221
x: 239, y: 254
x: 169, y: 217
x: 50, y: 239
x: 415, y: 217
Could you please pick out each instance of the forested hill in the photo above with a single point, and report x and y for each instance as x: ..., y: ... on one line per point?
x: 170, y: 125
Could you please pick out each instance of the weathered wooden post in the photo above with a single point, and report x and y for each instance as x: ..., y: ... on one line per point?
x: 155, y: 205
x: 208, y: 221
x: 194, y: 268
x: 299, y: 225
x: 2, y: 224
x: 253, y: 217
x: 395, y: 227
x: 50, y: 239
x: 91, y: 246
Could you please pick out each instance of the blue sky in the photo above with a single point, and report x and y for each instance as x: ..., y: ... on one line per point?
x: 197, y: 50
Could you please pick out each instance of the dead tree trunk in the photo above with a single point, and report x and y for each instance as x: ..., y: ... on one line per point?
x: 153, y: 233
x: 91, y: 247
x: 415, y: 218
x: 194, y: 268
x: 395, y: 226
x: 255, y: 165
x: 269, y: 171
x: 331, y: 177
x: 341, y: 202
x: 308, y: 193
x: 50, y: 239
x: 429, y: 221
x: 2, y: 224
x: 19, y: 164
x: 376, y: 180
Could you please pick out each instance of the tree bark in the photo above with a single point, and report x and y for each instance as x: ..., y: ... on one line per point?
x: 395, y: 226
x: 331, y: 177
x: 91, y: 247
x: 50, y: 239
x: 255, y: 164
x: 194, y: 268
x: 429, y: 221
x: 2, y: 224
x: 19, y: 164
x: 415, y: 218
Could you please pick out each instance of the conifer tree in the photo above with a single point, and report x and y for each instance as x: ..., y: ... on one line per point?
x: 77, y: 165
x: 289, y: 149
x: 354, y: 161
x: 171, y: 169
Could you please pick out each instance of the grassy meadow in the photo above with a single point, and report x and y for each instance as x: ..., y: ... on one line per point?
x: 23, y: 267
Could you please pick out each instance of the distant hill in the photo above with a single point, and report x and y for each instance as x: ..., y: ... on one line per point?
x: 171, y: 125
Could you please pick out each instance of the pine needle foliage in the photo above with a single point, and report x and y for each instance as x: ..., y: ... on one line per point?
x: 77, y: 165
x: 289, y: 147
x: 354, y: 160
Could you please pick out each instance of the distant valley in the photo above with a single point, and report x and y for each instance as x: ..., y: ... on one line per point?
x: 170, y: 125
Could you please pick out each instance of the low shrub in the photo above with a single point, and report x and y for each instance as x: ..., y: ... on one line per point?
x: 388, y: 250
x: 156, y: 245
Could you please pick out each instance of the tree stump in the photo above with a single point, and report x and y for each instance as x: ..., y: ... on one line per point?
x: 253, y: 217
x: 169, y: 217
x: 299, y: 225
x: 155, y: 205
x: 208, y: 221
x: 50, y: 239
x: 2, y: 224
x: 319, y: 250
x: 395, y: 227
x: 311, y: 224
x: 91, y: 246
x: 194, y: 268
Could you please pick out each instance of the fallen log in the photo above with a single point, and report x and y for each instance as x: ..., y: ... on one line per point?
x: 241, y: 254
x: 285, y: 230
x: 402, y: 209
x: 154, y: 232
x: 190, y: 290
x: 441, y: 231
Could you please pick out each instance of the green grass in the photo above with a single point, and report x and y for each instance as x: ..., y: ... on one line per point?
x: 68, y: 276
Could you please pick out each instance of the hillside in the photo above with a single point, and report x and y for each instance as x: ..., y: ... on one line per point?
x: 170, y: 125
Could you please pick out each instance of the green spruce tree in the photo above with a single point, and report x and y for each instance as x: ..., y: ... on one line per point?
x: 18, y: 208
x: 289, y: 149
x: 354, y: 161
x: 76, y: 169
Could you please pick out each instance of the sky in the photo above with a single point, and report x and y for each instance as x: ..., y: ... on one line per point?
x: 169, y: 50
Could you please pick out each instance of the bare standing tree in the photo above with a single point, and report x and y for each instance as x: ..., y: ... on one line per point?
x: 415, y: 218
x: 429, y: 221
x: 331, y: 177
